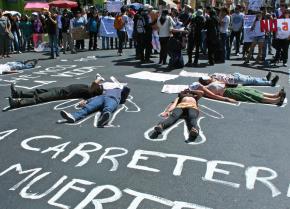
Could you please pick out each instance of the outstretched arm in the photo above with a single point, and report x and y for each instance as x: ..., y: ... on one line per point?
x: 170, y: 108
x: 211, y: 95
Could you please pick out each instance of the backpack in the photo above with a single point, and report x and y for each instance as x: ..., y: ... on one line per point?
x: 140, y: 26
x: 119, y: 23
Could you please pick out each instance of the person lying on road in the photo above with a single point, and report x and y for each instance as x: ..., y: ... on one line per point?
x: 15, y: 67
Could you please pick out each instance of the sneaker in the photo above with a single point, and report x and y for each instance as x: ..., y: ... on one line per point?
x: 14, y: 103
x: 67, y: 116
x: 14, y: 93
x: 193, y: 135
x: 246, y: 62
x: 104, y: 119
x: 149, y: 61
x: 268, y: 76
x: 98, y: 76
x: 285, y: 65
x: 274, y: 81
x: 237, y: 54
x: 157, y: 131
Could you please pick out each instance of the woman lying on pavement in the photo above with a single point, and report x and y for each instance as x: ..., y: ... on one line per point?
x: 184, y: 106
x: 212, y: 89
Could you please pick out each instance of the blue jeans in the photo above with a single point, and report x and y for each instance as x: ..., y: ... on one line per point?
x: 17, y: 65
x: 105, y: 42
x: 15, y: 41
x: 102, y: 103
x: 267, y: 45
x: 248, y: 80
x: 225, y: 39
x: 53, y: 43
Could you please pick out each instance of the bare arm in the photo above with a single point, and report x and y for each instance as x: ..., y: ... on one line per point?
x: 211, y: 95
x: 169, y: 108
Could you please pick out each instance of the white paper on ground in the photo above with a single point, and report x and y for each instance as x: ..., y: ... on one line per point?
x: 112, y: 85
x: 173, y: 89
x: 146, y: 75
x: 192, y: 74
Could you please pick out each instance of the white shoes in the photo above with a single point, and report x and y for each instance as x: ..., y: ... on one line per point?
x: 98, y: 76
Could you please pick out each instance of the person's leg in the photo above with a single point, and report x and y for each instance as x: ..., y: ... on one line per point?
x: 173, y: 117
x: 189, y: 50
x: 107, y: 41
x: 228, y: 49
x: 238, y: 39
x: 110, y: 104
x: 260, y: 51
x: 64, y: 41
x: 248, y: 80
x: 91, y: 40
x: 103, y: 42
x: 268, y: 100
x: 55, y: 40
x: 285, y: 48
x: 210, y: 54
x: 191, y: 121
x: 94, y: 105
x: 161, y: 54
x: 16, y: 41
x: 224, y: 45
x: 50, y: 37
x: 250, y: 53
x: 196, y: 57
x: 166, y: 40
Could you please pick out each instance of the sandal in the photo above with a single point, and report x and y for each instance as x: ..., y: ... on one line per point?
x: 193, y: 134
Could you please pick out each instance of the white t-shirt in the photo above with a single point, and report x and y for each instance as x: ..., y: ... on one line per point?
x: 4, y: 68
x: 226, y: 78
x: 164, y: 30
x: 224, y: 28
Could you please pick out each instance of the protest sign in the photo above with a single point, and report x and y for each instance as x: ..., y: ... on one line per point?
x: 248, y: 23
x: 255, y: 5
x: 283, y: 31
x: 114, y: 6
x: 79, y: 33
x: 107, y: 27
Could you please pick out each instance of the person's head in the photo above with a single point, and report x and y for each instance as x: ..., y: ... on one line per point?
x: 287, y: 13
x: 64, y: 12
x: 96, y: 89
x: 205, y: 80
x: 123, y: 9
x: 224, y: 11
x: 238, y: 9
x: 78, y: 14
x: 199, y: 12
x: 259, y: 16
x: 164, y: 12
x: 1, y: 12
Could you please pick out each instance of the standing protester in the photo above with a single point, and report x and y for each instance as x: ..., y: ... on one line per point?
x: 195, y: 36
x: 165, y: 24
x: 15, y: 31
x: 237, y: 27
x: 105, y: 39
x: 66, y: 33
x: 224, y: 32
x: 259, y: 39
x: 120, y: 25
x: 268, y: 39
x: 26, y: 31
x: 212, y: 35
x: 4, y: 39
x: 38, y: 30
x: 93, y: 25
x: 51, y: 27
x: 282, y: 45
x: 59, y: 29
x: 79, y: 22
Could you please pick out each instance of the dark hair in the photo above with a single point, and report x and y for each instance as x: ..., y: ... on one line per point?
x: 163, y: 17
x: 96, y: 89
x: 203, y: 82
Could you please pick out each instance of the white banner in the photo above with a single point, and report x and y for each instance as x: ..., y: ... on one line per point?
x: 283, y: 28
x: 248, y: 23
x: 107, y: 27
x: 255, y: 5
x: 114, y: 6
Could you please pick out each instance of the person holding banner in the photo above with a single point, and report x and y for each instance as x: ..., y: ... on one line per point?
x: 93, y: 25
x: 66, y: 33
x: 258, y: 38
x: 79, y: 23
x: 282, y: 38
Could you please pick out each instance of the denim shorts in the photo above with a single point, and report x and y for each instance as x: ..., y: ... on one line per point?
x: 259, y: 39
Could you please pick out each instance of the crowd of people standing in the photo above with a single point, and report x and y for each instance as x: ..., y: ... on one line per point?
x: 211, y: 31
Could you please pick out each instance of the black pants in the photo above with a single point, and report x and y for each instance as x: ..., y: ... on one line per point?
x: 41, y: 95
x: 190, y: 46
x: 282, y: 50
x: 164, y: 49
x: 80, y: 44
x: 237, y: 35
x: 190, y: 115
x: 122, y: 37
x: 93, y: 40
x: 211, y: 52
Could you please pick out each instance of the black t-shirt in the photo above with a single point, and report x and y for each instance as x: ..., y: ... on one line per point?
x: 50, y: 26
x: 78, y: 91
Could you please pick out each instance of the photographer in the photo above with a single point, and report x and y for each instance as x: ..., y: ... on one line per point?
x: 51, y: 27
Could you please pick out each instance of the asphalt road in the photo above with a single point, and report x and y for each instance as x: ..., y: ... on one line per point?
x: 240, y: 162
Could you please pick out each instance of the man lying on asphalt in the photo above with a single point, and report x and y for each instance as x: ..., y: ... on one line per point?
x: 245, y: 80
x: 106, y: 103
x: 73, y: 91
